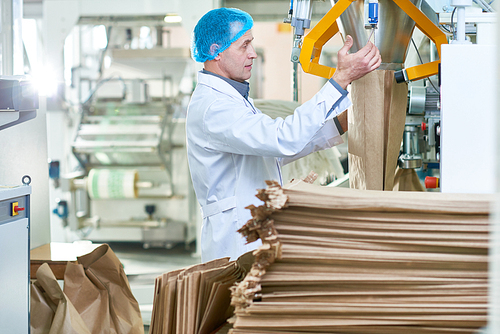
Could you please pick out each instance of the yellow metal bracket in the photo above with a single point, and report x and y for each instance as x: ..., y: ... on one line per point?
x: 313, y: 43
x: 327, y: 27
x: 430, y: 30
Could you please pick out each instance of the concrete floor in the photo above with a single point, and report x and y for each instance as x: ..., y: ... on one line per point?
x: 142, y: 266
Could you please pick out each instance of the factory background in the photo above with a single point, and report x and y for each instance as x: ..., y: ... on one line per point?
x: 106, y: 150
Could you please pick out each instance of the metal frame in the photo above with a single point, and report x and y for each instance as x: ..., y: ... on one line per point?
x: 327, y: 28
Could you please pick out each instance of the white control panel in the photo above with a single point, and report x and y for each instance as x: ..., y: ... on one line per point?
x: 14, y: 259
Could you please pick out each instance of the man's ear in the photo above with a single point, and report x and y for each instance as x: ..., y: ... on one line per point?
x: 214, y: 49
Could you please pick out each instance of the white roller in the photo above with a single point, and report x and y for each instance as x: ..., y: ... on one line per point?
x: 112, y: 183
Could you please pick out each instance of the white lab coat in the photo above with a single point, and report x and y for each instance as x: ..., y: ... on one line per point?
x: 233, y: 149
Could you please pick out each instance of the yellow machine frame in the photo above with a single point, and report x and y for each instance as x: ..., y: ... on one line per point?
x: 327, y: 27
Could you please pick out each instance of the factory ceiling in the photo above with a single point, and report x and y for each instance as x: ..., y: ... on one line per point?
x: 261, y: 11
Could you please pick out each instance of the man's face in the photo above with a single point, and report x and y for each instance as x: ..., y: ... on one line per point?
x: 236, y: 61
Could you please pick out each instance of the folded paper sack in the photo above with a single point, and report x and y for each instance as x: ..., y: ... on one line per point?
x: 96, y: 298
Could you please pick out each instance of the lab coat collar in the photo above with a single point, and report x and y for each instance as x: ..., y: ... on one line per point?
x: 242, y: 87
x: 220, y: 85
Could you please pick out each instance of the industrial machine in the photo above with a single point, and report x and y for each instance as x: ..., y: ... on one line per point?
x: 451, y: 117
x: 414, y: 55
x: 14, y: 258
x: 130, y: 178
x: 18, y: 103
x: 18, y: 100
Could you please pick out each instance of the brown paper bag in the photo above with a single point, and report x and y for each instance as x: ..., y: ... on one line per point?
x: 51, y: 310
x: 42, y: 310
x: 91, y: 300
x: 99, y: 289
x: 407, y: 180
x: 376, y: 124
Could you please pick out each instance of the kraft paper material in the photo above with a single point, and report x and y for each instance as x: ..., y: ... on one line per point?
x: 96, y: 298
x: 340, y: 260
x: 196, y: 299
x: 376, y: 124
x: 407, y: 180
x: 51, y: 310
x: 111, y: 293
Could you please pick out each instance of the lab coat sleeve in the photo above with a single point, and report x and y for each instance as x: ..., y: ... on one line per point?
x: 327, y: 137
x: 231, y: 126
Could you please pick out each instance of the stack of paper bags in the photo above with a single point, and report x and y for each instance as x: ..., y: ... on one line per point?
x: 196, y: 300
x: 338, y: 260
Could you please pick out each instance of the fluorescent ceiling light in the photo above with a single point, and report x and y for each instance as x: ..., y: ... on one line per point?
x: 172, y: 18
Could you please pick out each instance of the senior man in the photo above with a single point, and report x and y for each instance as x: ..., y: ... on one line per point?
x: 233, y: 148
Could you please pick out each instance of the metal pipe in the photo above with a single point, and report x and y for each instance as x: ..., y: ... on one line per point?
x: 484, y: 5
x: 460, y: 24
x: 460, y: 28
x: 11, y: 61
x: 144, y: 184
x: 295, y: 82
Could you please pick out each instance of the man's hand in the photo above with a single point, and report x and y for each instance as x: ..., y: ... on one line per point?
x: 354, y: 66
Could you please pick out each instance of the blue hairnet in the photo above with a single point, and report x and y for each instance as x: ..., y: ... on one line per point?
x: 219, y: 27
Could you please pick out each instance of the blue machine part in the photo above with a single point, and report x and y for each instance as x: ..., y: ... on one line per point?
x: 54, y: 170
x: 373, y: 12
x: 62, y: 210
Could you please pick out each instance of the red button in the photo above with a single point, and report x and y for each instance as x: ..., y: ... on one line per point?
x: 431, y: 182
x: 424, y: 126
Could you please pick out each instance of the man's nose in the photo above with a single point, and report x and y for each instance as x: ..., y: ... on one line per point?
x: 252, y: 54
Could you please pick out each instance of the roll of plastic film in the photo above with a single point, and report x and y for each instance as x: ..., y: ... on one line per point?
x: 112, y: 183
